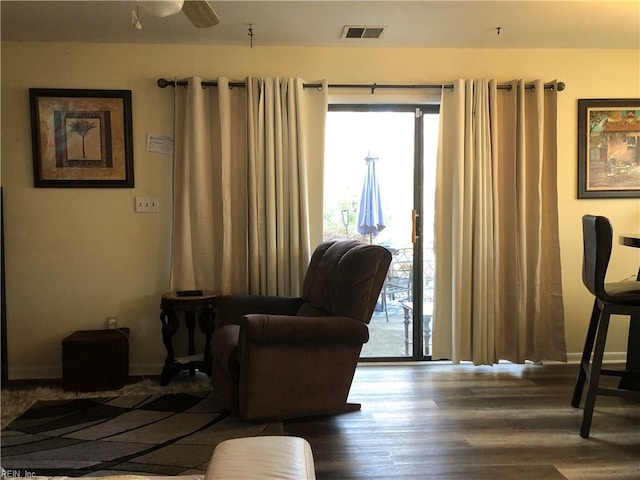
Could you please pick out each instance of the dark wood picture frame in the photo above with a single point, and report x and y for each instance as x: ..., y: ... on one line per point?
x: 81, y: 138
x: 609, y: 148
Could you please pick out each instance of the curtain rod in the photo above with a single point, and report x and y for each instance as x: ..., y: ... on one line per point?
x: 163, y: 83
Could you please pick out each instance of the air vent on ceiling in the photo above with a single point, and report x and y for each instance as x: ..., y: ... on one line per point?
x: 362, y: 31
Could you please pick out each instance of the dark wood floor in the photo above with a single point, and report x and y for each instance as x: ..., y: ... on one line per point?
x: 462, y: 422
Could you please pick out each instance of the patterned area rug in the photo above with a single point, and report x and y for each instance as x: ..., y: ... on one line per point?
x: 165, y: 434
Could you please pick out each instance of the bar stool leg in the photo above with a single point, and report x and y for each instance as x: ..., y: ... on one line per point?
x: 633, y: 355
x: 594, y: 375
x: 586, y: 354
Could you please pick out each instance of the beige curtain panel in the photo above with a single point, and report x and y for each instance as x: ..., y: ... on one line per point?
x: 498, y: 292
x: 241, y: 187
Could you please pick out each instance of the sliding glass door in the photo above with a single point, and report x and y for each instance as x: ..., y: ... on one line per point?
x: 379, y: 187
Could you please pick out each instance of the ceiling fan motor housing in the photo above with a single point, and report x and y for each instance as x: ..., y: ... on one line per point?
x: 162, y: 8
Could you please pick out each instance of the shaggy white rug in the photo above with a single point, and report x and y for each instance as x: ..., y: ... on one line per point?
x: 15, y: 401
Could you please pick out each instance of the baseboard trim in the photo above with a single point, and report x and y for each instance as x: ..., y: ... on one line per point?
x: 609, y: 357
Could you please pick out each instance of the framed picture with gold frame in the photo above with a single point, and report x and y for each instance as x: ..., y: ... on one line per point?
x: 81, y: 138
x: 609, y: 148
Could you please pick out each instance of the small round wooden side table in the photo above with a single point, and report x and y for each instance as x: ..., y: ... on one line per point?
x: 190, y: 304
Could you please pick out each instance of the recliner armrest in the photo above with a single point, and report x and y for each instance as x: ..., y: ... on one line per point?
x: 271, y: 329
x: 231, y: 308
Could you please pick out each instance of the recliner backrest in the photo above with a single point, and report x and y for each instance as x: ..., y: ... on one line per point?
x: 344, y: 279
x: 597, y: 235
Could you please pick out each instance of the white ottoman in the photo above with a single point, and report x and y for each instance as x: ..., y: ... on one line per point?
x: 262, y: 458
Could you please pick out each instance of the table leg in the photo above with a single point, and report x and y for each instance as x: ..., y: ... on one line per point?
x: 633, y: 352
x: 190, y: 319
x: 633, y: 355
x: 426, y: 329
x: 407, y: 320
x: 169, y: 328
x: 207, y: 322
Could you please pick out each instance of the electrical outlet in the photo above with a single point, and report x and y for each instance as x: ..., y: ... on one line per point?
x: 112, y: 323
x: 147, y: 205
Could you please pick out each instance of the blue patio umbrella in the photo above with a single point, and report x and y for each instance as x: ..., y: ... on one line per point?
x: 370, y: 215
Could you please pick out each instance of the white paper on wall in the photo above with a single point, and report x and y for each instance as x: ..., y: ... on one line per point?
x: 159, y: 143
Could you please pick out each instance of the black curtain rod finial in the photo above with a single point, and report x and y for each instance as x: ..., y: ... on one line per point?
x: 164, y: 83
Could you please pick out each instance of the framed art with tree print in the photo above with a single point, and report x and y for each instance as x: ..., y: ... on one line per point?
x: 81, y: 138
x: 609, y: 148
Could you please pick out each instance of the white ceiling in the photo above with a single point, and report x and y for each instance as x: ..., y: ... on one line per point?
x: 438, y: 24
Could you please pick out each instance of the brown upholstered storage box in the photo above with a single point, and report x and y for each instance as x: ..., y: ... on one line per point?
x: 94, y: 360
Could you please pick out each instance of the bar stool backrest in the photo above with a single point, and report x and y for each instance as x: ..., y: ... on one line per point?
x: 597, y: 240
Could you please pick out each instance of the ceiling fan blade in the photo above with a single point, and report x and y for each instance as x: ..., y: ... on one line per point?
x: 200, y: 13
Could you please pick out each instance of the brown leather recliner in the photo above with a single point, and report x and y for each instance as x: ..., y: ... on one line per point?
x: 284, y: 357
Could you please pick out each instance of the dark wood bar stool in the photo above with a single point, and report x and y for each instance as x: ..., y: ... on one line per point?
x: 621, y: 298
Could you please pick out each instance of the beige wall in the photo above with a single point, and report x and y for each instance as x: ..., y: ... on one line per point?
x: 75, y: 256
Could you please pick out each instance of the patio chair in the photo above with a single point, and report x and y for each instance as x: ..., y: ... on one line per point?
x: 399, y: 283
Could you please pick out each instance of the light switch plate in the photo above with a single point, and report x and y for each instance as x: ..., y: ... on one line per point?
x: 147, y: 205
